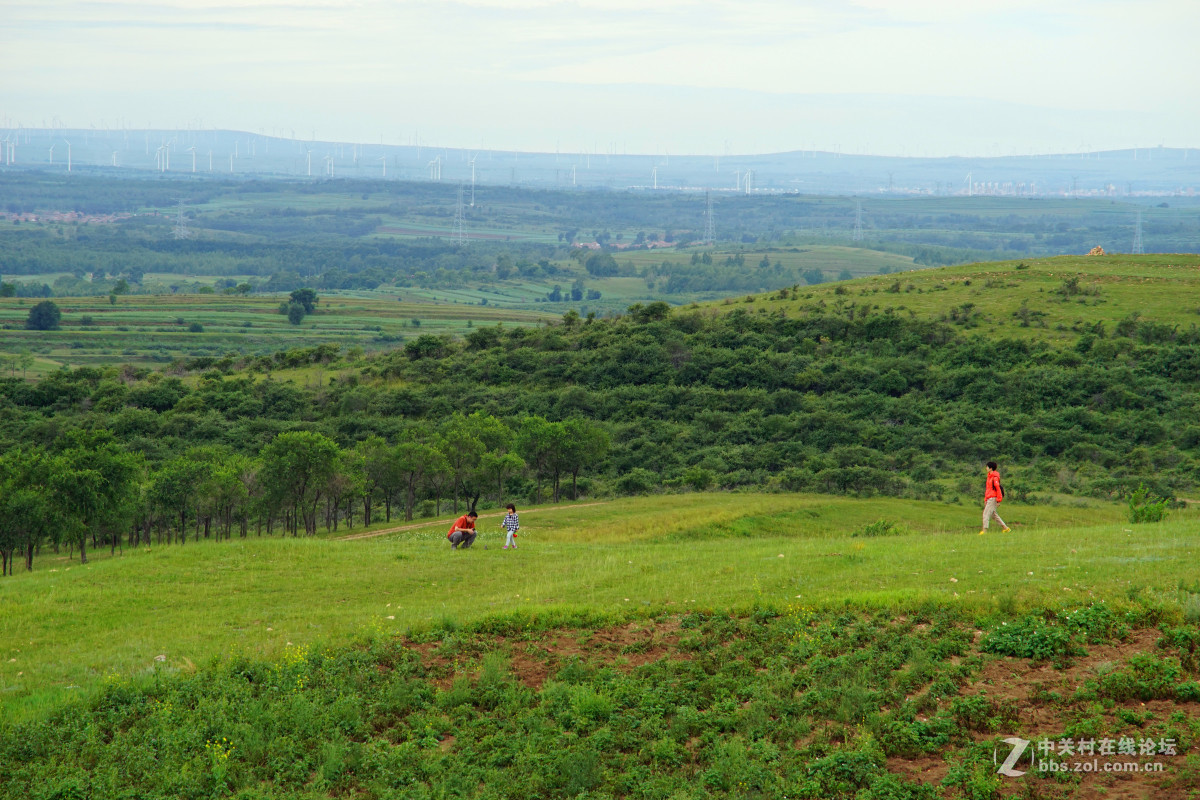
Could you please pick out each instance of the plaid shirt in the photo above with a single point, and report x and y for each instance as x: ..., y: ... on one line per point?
x: 510, y: 523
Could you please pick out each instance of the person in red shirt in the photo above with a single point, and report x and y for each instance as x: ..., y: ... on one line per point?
x: 993, y: 495
x: 462, y: 532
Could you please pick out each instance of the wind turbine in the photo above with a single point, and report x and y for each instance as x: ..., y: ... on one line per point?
x: 68, y: 155
x: 51, y: 154
x: 210, y: 160
x: 383, y: 161
x: 192, y: 150
x: 329, y: 165
x: 114, y: 158
x: 308, y: 159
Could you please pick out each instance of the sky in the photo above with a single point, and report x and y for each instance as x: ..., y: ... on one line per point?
x: 915, y: 78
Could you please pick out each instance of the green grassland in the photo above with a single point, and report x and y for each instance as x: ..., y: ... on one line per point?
x: 694, y: 645
x: 1061, y: 297
x: 69, y: 625
x: 147, y: 329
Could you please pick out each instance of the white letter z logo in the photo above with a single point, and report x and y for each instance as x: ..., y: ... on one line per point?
x: 1018, y: 748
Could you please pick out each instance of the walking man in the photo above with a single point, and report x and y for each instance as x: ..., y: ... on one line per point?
x: 993, y: 495
x: 462, y: 532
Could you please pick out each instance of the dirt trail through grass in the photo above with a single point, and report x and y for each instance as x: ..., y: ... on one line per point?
x: 448, y: 520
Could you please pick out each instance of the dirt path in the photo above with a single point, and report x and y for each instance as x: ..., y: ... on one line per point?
x: 447, y: 521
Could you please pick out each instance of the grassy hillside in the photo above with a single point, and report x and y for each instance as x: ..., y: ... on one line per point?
x: 602, y: 656
x: 1051, y: 299
x: 68, y: 625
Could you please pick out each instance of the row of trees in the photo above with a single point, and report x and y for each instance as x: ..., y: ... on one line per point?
x: 93, y: 492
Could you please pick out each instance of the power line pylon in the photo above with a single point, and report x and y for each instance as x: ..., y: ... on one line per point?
x: 710, y: 230
x: 858, y: 232
x: 181, y: 230
x: 1138, y: 247
x: 460, y: 223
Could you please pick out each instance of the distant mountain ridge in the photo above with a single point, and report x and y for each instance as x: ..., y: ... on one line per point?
x: 1148, y: 172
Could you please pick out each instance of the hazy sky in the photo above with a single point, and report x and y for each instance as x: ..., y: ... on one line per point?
x: 918, y: 77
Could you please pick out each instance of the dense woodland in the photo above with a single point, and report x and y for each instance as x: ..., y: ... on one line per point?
x: 840, y: 399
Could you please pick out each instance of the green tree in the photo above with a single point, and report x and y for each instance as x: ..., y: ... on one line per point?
x: 495, y: 468
x: 297, y: 466
x: 540, y: 443
x: 96, y: 486
x: 462, y: 447
x: 173, y: 489
x: 601, y: 264
x: 584, y: 445
x: 45, y: 316
x: 416, y: 463
x: 295, y: 313
x: 26, y: 514
x: 307, y: 299
x: 379, y: 474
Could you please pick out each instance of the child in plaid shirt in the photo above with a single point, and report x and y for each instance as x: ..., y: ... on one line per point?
x: 511, y: 525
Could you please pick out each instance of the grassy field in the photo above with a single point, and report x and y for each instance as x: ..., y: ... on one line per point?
x: 680, y: 646
x: 1044, y: 299
x: 67, y: 626
x: 155, y: 328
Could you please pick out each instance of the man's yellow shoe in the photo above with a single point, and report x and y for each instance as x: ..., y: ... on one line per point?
x: 1006, y: 530
x: 982, y: 532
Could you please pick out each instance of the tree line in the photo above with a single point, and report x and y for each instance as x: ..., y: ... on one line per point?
x: 838, y: 397
x: 89, y: 491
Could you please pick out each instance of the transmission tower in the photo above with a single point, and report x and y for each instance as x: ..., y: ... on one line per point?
x: 181, y: 229
x: 460, y: 223
x: 858, y: 234
x: 710, y: 232
x: 1138, y: 247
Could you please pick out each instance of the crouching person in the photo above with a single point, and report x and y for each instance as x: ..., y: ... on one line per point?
x: 462, y: 532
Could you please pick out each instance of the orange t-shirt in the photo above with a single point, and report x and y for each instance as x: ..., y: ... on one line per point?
x: 462, y: 522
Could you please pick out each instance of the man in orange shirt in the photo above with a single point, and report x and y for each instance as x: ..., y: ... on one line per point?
x: 993, y: 495
x: 463, y: 531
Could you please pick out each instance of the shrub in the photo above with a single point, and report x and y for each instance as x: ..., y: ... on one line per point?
x: 880, y: 527
x: 1030, y: 637
x: 1142, y: 508
x: 637, y: 481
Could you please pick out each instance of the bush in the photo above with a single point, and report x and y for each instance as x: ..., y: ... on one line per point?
x: 880, y: 527
x: 637, y: 481
x: 1144, y: 509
